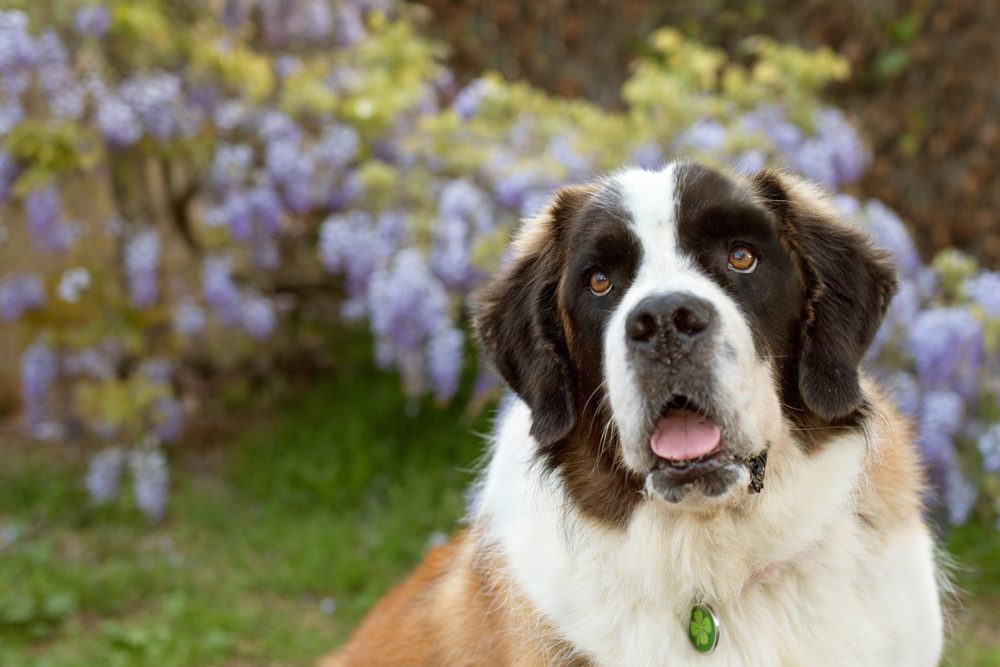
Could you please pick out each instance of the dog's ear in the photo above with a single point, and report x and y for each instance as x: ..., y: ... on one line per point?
x: 849, y: 284
x: 518, y: 323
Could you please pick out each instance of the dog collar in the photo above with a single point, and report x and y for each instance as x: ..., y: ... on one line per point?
x: 757, y: 466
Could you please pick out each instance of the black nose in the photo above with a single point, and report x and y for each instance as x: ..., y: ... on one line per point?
x: 678, y: 317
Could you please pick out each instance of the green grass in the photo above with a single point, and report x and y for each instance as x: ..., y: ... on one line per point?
x: 336, y: 497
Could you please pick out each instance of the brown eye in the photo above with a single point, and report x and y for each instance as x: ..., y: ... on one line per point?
x: 599, y: 283
x: 742, y: 259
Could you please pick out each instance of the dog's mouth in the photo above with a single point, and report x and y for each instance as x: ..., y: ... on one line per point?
x: 689, y: 451
x: 684, y: 433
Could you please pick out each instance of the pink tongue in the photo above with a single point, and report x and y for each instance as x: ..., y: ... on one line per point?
x: 683, y: 435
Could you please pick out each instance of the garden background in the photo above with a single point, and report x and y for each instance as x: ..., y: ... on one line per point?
x: 238, y: 399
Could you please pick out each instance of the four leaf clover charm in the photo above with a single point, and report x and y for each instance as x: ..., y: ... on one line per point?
x: 704, y: 629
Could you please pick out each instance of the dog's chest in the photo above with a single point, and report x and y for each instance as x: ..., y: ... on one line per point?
x: 813, y: 613
x: 625, y: 597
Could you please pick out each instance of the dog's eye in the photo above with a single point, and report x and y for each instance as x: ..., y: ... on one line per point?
x: 742, y: 259
x: 599, y: 283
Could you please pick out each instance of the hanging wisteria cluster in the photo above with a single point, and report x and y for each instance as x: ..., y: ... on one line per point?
x: 170, y: 198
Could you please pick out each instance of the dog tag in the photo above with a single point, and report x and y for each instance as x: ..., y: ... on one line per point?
x: 704, y: 629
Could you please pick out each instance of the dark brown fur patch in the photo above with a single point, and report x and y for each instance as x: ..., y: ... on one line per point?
x: 849, y: 285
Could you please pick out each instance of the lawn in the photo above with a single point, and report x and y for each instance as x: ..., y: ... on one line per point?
x: 285, y: 524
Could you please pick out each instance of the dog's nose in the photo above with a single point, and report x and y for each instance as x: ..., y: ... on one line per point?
x: 678, y: 316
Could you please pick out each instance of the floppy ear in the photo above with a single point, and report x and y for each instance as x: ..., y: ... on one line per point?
x: 518, y: 323
x: 849, y: 284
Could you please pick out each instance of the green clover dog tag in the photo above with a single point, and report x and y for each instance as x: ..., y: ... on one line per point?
x: 704, y: 629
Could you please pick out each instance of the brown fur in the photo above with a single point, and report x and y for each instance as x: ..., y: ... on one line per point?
x: 890, y: 496
x: 456, y: 610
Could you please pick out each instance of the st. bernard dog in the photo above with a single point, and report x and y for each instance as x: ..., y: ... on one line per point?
x: 693, y: 470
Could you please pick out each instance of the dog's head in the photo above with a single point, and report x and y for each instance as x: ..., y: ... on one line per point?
x: 666, y: 327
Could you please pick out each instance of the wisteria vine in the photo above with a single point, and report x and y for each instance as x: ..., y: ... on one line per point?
x: 323, y: 145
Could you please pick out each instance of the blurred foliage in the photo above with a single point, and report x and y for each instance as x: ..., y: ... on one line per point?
x: 197, y: 191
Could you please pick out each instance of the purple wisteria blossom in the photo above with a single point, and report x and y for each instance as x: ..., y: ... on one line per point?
x: 771, y: 122
x: 308, y: 21
x: 940, y: 420
x: 513, y: 186
x: 39, y: 369
x: 848, y: 154
x: 189, y: 317
x: 291, y: 167
x: 450, y: 257
x: 274, y: 126
x: 231, y: 164
x: 267, y: 210
x: 117, y: 122
x: 235, y: 213
x: 444, y: 361
x: 749, y: 162
x: 49, y: 231
x: 158, y: 101
x: 704, y: 136
x: 349, y: 245
x: 156, y: 370
x: 338, y: 145
x: 984, y: 290
x: 890, y: 233
x: 535, y: 202
x: 91, y: 21
x: 11, y: 113
x: 464, y: 212
x: 947, y: 348
x: 350, y: 24
x: 647, y: 155
x: 90, y: 362
x: 468, y: 100
x: 104, y: 474
x: 959, y: 496
x: 834, y: 155
x: 19, y: 53
x: 286, y: 66
x: 220, y: 291
x: 142, y: 266
x: 234, y: 12
x: 65, y: 96
x: 408, y: 307
x: 19, y: 293
x: 150, y: 480
x: 258, y: 317
x: 168, y: 416
x: 989, y: 448
x: 563, y: 148
x: 8, y: 174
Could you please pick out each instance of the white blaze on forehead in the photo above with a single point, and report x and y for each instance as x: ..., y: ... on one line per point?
x: 650, y: 198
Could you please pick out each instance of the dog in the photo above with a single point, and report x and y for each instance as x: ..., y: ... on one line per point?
x: 692, y: 469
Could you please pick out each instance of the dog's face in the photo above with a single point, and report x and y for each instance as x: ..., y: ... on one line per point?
x: 665, y: 328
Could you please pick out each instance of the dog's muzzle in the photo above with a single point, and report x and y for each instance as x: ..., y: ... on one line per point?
x: 671, y: 340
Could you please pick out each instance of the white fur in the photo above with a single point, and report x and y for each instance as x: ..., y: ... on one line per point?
x: 622, y: 597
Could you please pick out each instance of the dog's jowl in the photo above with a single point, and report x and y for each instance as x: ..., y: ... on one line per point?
x: 693, y: 468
